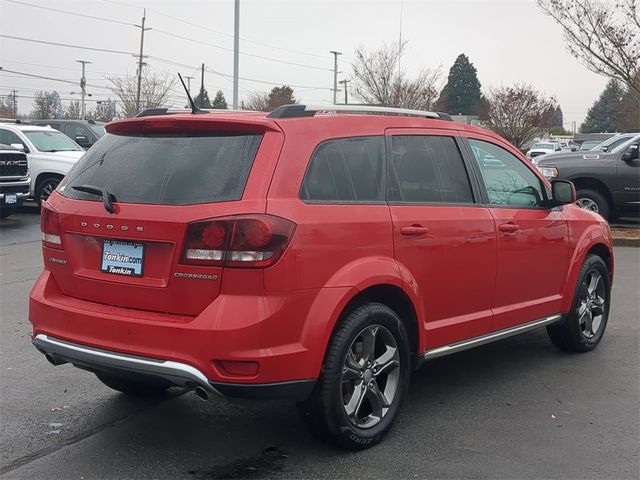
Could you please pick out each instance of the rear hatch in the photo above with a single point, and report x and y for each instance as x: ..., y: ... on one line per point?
x: 160, y: 175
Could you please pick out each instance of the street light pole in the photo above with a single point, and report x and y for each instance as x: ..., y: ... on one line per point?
x: 335, y: 73
x: 236, y: 52
x: 83, y: 87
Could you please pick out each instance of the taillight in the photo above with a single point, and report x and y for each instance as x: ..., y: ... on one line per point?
x: 240, y: 241
x: 50, y: 227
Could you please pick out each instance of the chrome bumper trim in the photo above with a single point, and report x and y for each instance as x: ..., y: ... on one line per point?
x: 179, y: 374
x: 17, y: 194
x: 491, y: 337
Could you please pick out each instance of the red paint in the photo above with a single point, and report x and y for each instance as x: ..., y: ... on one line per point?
x: 467, y: 270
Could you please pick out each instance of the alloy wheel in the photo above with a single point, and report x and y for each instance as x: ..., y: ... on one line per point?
x: 47, y: 189
x: 588, y: 204
x: 370, y: 376
x: 591, y: 304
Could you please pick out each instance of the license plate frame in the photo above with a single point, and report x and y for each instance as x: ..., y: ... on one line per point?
x: 124, y: 258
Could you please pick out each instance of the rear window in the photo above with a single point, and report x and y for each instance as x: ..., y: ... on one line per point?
x: 166, y: 170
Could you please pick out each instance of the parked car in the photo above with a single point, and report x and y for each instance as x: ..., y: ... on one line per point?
x: 84, y: 132
x: 607, y: 182
x: 613, y: 142
x: 543, y: 148
x: 589, y: 145
x: 14, y: 179
x: 50, y: 153
x: 318, y: 257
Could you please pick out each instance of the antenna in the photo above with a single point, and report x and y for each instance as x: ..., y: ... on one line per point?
x: 194, y: 108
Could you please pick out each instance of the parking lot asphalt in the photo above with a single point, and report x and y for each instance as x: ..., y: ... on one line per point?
x: 514, y: 409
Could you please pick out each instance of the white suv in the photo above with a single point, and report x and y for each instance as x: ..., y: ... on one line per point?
x: 51, y: 155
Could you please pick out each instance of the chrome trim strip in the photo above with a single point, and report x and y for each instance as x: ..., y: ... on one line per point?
x: 491, y: 337
x: 178, y: 373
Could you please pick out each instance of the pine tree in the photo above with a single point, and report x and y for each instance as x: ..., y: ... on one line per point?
x: 220, y: 102
x: 202, y: 99
x: 602, y: 116
x: 558, y: 120
x: 461, y: 95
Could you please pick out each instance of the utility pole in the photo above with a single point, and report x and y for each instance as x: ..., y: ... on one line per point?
x: 236, y: 52
x: 140, y: 57
x: 400, y: 40
x: 83, y: 87
x: 201, y: 87
x: 188, y: 86
x: 15, y: 104
x: 345, y: 82
x: 335, y: 73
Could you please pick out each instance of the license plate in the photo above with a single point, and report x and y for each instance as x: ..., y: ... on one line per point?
x: 122, y: 258
x: 10, y: 198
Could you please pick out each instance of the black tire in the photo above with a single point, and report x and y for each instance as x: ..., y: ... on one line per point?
x: 596, y: 200
x: 573, y: 333
x: 45, y: 187
x: 6, y: 211
x: 134, y: 386
x: 325, y: 411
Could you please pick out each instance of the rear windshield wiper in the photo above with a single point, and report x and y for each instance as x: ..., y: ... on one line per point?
x: 107, y: 198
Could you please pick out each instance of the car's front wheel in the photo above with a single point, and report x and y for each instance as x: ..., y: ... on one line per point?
x: 45, y: 187
x: 364, y: 380
x: 593, y: 201
x: 583, y: 328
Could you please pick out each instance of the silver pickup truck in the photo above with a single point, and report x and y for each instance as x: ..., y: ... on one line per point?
x: 14, y: 179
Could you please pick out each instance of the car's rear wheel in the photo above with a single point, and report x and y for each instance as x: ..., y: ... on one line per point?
x: 584, y: 326
x: 593, y: 201
x: 364, y: 380
x: 134, y: 386
x: 45, y: 187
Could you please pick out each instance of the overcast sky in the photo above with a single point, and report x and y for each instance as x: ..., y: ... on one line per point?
x: 507, y: 41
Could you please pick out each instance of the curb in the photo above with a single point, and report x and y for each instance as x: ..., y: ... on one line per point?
x: 626, y: 242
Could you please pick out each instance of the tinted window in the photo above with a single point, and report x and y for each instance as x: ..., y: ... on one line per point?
x: 427, y: 169
x: 8, y: 137
x: 166, y: 170
x: 507, y: 180
x: 74, y: 131
x: 347, y: 170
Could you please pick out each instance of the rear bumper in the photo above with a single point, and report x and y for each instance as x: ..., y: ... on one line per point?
x: 180, y: 374
x: 272, y: 331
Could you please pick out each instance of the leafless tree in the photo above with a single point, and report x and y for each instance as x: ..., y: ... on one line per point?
x: 377, y: 81
x: 519, y: 113
x: 266, y: 102
x: 73, y: 110
x: 605, y: 36
x: 154, y: 92
x: 258, y: 101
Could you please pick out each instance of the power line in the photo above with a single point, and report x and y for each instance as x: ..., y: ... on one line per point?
x: 51, y: 78
x: 209, y: 29
x: 69, y: 13
x: 105, y: 50
x: 286, y: 62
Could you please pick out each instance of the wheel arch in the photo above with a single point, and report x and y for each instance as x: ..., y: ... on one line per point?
x: 594, y: 184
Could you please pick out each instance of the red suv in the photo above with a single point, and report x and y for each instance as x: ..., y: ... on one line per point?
x: 308, y: 254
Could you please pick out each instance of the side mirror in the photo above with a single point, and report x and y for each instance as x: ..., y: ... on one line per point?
x: 19, y: 146
x: 632, y: 153
x: 604, y: 149
x: 563, y: 192
x: 574, y: 148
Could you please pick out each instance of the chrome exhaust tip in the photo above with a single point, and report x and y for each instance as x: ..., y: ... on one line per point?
x: 201, y: 393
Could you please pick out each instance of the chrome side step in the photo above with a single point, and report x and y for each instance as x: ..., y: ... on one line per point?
x: 491, y: 337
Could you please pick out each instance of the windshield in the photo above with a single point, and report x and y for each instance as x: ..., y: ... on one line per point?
x: 98, y: 129
x: 622, y: 145
x: 588, y: 145
x: 166, y: 170
x: 543, y: 146
x: 52, y: 141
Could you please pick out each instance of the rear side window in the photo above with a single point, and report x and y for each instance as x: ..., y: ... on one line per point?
x: 346, y: 170
x: 166, y: 170
x: 427, y: 169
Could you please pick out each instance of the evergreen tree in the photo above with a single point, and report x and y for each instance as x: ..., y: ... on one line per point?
x: 461, y: 94
x: 202, y: 99
x: 558, y: 120
x: 220, y: 102
x: 280, y: 96
x: 602, y: 116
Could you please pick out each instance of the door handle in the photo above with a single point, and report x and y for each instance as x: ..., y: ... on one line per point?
x: 414, y: 230
x: 509, y: 227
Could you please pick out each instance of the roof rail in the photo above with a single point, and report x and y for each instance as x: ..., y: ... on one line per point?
x: 297, y: 110
x: 149, y: 112
x: 17, y: 121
